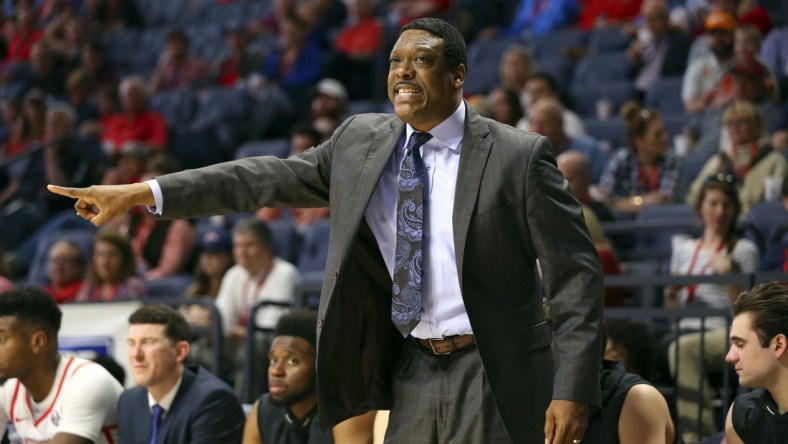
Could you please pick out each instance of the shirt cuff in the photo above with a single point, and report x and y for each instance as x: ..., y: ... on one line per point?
x: 157, y: 197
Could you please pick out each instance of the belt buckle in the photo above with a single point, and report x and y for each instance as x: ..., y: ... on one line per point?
x: 433, y: 341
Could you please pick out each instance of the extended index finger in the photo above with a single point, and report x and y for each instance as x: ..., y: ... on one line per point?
x: 76, y: 193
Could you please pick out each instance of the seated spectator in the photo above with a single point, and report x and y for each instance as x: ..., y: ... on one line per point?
x: 718, y: 251
x: 287, y: 414
x: 24, y: 35
x: 302, y: 137
x: 750, y: 79
x: 68, y: 159
x: 65, y: 271
x: 747, y: 46
x: 161, y: 247
x: 113, y: 15
x: 177, y: 69
x: 48, y: 396
x: 20, y: 133
x: 42, y: 72
x: 604, y: 13
x: 93, y: 61
x: 112, y: 272
x: 10, y: 111
x: 257, y: 276
x: 534, y: 18
x: 330, y: 100
x: 775, y: 258
x: 35, y: 110
x: 774, y: 53
x: 705, y: 83
x: 516, y: 67
x: 577, y: 171
x: 270, y: 24
x: 357, y: 46
x: 130, y: 165
x: 66, y: 38
x: 216, y: 257
x: 542, y: 85
x: 758, y: 353
x: 506, y: 106
x: 296, y: 64
x: 547, y: 119
x: 80, y: 87
x: 749, y: 159
x: 136, y: 123
x: 646, y: 172
x: 174, y: 402
x: 239, y: 62
x: 659, y: 51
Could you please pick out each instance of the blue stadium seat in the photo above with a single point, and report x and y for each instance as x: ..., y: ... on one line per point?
x: 314, y: 246
x: 601, y: 68
x: 286, y: 239
x: 177, y: 106
x: 272, y: 147
x: 675, y: 122
x: 195, y: 148
x: 37, y: 274
x: 485, y: 57
x: 168, y: 287
x: 665, y: 95
x: 560, y: 68
x: 220, y: 105
x: 658, y: 243
x: 556, y: 43
x: 616, y: 92
x: 762, y: 222
x: 607, y: 40
x: 610, y: 132
x: 692, y: 164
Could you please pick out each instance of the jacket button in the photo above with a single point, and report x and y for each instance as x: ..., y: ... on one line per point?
x: 336, y: 276
x: 320, y: 323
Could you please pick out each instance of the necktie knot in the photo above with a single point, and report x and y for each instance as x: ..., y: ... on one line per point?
x: 417, y: 139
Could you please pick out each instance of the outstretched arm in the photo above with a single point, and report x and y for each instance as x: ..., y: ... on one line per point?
x: 102, y: 203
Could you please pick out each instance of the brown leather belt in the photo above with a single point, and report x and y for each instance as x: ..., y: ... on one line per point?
x: 446, y: 346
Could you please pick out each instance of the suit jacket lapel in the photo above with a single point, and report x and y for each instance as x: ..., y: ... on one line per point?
x: 186, y: 383
x: 475, y: 151
x: 383, y: 145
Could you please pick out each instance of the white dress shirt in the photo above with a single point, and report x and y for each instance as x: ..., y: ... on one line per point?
x: 444, y: 311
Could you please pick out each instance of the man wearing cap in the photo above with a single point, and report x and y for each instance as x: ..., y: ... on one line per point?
x: 705, y: 75
x: 328, y: 106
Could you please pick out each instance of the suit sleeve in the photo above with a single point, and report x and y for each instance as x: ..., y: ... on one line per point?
x: 247, y: 184
x: 571, y: 276
x: 220, y: 419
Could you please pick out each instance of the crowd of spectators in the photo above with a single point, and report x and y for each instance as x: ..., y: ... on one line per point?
x: 118, y: 91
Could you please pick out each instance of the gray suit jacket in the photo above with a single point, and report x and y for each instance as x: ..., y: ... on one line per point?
x: 511, y: 206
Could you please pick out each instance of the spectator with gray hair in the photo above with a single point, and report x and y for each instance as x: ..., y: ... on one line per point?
x: 136, y: 123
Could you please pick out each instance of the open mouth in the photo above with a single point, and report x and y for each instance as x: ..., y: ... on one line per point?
x: 406, y: 91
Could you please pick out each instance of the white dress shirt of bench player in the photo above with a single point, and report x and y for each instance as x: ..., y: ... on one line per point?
x: 49, y: 397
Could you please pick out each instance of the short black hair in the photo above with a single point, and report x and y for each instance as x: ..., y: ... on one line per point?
x: 33, y: 305
x: 175, y: 326
x: 768, y: 307
x: 637, y: 340
x: 306, y: 129
x: 298, y: 322
x: 453, y: 43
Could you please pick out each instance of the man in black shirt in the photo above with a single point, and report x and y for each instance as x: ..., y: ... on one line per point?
x: 759, y: 340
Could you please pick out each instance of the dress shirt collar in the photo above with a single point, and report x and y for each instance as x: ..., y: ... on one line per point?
x: 166, y: 401
x: 447, y: 133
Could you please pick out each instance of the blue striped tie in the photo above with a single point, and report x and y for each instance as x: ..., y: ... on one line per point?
x: 406, y: 292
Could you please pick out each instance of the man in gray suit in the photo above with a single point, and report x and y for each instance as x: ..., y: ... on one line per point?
x: 470, y: 358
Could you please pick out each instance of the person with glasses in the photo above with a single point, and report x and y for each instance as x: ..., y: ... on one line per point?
x: 750, y: 157
x: 718, y: 251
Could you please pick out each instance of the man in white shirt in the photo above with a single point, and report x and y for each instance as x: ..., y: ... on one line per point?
x: 48, y: 397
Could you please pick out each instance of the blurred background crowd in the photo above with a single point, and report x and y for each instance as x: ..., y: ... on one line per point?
x: 668, y: 118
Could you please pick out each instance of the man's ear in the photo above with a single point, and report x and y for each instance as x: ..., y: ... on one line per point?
x: 459, y: 76
x: 182, y: 349
x: 779, y: 345
x: 38, y: 341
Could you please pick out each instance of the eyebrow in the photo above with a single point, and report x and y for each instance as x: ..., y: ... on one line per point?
x: 737, y: 338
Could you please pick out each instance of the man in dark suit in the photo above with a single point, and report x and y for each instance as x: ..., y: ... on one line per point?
x: 470, y: 357
x: 173, y: 402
